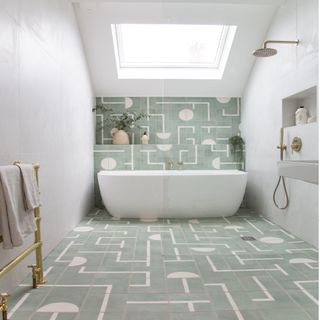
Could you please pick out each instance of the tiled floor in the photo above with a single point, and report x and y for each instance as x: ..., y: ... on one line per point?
x: 175, y: 269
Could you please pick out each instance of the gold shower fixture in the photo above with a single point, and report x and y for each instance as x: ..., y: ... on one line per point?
x: 296, y: 144
x: 268, y: 52
x: 281, y: 146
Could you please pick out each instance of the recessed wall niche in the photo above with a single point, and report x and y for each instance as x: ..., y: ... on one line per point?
x: 306, y: 98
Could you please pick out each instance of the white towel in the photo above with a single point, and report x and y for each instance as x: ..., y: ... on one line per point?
x: 15, y: 222
x: 30, y: 187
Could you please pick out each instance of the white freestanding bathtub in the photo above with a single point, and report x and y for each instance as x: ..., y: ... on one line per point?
x: 172, y: 193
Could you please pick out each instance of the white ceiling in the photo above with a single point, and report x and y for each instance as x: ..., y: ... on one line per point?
x: 252, y: 17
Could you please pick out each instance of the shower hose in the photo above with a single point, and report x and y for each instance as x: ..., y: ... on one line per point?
x: 285, y: 192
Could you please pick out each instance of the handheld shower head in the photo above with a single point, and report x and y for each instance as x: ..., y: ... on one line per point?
x: 269, y: 52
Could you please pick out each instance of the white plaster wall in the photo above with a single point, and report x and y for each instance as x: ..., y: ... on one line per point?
x: 294, y: 69
x: 45, y: 113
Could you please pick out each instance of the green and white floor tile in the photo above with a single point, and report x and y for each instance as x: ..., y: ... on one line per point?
x: 197, y: 269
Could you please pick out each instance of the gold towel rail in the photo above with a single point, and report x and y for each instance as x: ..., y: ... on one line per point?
x: 37, y: 269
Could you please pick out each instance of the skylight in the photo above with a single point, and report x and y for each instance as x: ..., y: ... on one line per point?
x: 171, y: 51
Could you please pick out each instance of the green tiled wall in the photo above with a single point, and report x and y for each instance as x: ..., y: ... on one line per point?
x: 192, y: 130
x: 177, y: 120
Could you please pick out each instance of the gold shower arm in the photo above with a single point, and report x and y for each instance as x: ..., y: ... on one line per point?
x: 296, y: 42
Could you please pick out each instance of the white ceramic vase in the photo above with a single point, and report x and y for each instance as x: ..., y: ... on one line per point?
x: 301, y: 115
x: 120, y: 137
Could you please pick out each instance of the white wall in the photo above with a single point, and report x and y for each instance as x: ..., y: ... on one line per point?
x: 292, y: 70
x: 45, y: 113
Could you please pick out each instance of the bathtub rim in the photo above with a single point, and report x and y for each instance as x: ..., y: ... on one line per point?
x: 137, y: 173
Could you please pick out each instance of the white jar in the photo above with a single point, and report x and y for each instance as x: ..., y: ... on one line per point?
x: 301, y: 115
x: 144, y: 138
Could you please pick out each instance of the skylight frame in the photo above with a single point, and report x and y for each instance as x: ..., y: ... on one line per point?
x: 130, y: 70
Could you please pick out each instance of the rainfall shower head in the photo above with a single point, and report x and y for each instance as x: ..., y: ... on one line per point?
x: 268, y: 52
x: 264, y: 52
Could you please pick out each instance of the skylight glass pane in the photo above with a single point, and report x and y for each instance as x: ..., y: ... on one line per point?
x: 171, y: 51
x: 169, y: 45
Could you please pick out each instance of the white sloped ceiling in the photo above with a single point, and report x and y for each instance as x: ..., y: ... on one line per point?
x: 252, y: 17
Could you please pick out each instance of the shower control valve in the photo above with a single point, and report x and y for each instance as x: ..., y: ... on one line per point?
x: 296, y: 144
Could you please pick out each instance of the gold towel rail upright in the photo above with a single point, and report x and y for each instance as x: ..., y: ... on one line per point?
x: 37, y: 269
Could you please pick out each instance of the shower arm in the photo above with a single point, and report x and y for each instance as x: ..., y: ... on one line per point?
x: 279, y: 41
